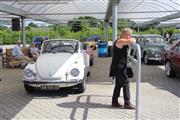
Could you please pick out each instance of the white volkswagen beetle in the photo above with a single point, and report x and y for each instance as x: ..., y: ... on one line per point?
x: 62, y: 63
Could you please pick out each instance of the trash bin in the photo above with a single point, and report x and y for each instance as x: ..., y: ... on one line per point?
x: 102, y: 49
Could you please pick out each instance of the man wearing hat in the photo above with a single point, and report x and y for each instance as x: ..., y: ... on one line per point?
x: 17, y: 54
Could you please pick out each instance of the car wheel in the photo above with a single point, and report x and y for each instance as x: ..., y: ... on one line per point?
x: 82, y: 86
x: 29, y: 89
x: 146, y: 61
x: 168, y: 69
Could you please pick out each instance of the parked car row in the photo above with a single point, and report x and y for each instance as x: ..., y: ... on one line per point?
x: 154, y: 48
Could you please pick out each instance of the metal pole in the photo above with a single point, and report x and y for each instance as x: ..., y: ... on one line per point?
x: 114, y: 20
x: 138, y: 80
x: 23, y: 31
x: 105, y: 31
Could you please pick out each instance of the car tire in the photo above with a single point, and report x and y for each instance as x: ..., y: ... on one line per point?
x: 146, y: 61
x: 168, y: 69
x: 29, y: 89
x: 82, y: 86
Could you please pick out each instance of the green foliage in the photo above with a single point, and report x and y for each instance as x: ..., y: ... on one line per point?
x: 3, y: 28
x: 86, y: 21
x: 124, y: 23
x: 33, y: 25
x: 160, y: 31
x: 7, y: 36
x: 149, y: 31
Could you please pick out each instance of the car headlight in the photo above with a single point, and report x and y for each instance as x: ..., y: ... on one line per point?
x: 74, y: 72
x: 28, y: 73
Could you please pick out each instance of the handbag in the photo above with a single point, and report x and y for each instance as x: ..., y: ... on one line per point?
x: 130, y: 72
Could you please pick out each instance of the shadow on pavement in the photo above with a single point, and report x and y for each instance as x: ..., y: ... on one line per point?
x: 14, y: 98
x: 154, y: 75
x: 86, y: 105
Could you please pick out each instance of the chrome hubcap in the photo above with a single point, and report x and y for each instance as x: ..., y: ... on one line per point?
x: 167, y: 68
x: 145, y: 59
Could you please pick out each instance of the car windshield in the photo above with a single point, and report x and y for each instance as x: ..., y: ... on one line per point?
x: 154, y: 39
x: 57, y: 46
x: 178, y: 35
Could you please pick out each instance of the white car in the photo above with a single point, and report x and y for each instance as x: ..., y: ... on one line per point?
x: 62, y: 63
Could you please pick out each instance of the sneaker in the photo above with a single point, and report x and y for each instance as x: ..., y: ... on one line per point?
x: 129, y: 106
x: 118, y: 105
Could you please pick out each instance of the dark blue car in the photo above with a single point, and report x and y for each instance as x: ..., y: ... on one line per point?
x: 38, y: 40
x: 95, y: 38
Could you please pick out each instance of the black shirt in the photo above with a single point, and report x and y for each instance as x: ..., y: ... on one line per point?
x: 119, y: 60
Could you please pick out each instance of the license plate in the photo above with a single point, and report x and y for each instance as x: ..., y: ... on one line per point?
x: 49, y: 87
x: 155, y: 59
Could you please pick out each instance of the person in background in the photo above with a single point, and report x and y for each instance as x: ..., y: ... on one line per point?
x: 118, y: 69
x: 167, y: 37
x: 34, y: 51
x: 17, y: 54
x: 89, y: 49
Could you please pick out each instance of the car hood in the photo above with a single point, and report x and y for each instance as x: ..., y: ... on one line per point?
x: 47, y: 65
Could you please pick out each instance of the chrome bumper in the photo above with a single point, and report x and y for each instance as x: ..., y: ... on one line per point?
x: 52, y: 83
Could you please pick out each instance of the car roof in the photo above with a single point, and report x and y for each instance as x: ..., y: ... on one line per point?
x: 63, y: 40
x: 149, y: 35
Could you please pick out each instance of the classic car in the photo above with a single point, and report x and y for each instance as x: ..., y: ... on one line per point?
x: 62, y: 63
x: 152, y: 47
x: 172, y: 60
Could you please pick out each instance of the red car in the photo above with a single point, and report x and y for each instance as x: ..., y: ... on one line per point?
x: 172, y: 60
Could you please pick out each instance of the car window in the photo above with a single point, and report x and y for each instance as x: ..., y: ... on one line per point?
x: 154, y: 39
x: 57, y: 46
x: 178, y: 36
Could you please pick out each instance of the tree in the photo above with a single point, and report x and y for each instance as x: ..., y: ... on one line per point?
x: 3, y: 28
x: 125, y: 23
x: 33, y: 25
x: 81, y: 22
